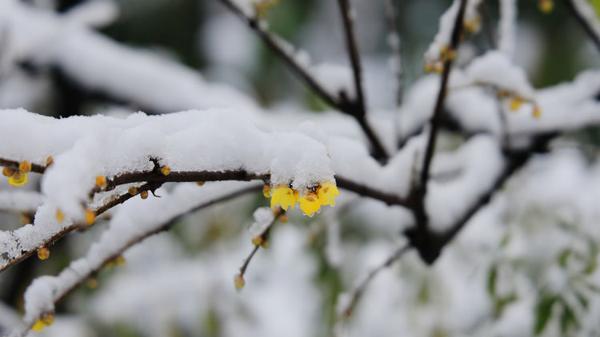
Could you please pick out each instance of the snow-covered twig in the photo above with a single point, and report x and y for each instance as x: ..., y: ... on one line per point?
x: 393, y: 40
x: 359, y: 291
x: 48, y: 239
x: 127, y: 229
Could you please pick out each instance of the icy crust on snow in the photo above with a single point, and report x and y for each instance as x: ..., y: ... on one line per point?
x: 136, y: 221
x: 214, y: 140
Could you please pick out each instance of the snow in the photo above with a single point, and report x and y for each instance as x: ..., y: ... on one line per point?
x: 20, y: 201
x: 507, y: 27
x: 495, y: 68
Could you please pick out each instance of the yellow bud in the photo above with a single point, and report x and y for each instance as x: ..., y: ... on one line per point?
x: 447, y: 53
x: 239, y: 282
x: 132, y: 190
x: 25, y: 166
x: 472, y: 25
x: 101, y: 181
x: 283, y: 218
x: 92, y: 283
x: 18, y: 179
x: 59, y: 215
x: 120, y: 260
x: 536, y: 112
x: 8, y: 171
x: 546, y: 6
x: 43, y: 253
x: 515, y: 103
x: 200, y: 183
x: 144, y: 194
x: 49, y: 161
x: 25, y: 218
x: 266, y: 191
x: 258, y: 240
x: 90, y: 217
x: 165, y: 170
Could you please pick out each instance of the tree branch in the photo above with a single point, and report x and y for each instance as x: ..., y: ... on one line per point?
x: 362, y: 287
x: 24, y: 254
x: 421, y: 190
x: 584, y: 23
x: 340, y: 103
x: 82, y: 277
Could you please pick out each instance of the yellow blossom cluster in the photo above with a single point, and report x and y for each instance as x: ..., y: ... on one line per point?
x: 310, y: 202
x: 17, y: 176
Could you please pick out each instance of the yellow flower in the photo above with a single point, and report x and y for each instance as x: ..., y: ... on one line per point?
x: 310, y: 203
x: 283, y: 196
x: 327, y: 193
x: 46, y: 320
x: 18, y: 179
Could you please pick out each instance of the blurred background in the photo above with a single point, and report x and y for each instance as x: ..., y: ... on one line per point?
x: 180, y: 283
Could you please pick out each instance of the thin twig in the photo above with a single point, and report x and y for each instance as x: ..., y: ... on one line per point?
x: 24, y: 254
x: 434, y: 122
x: 137, y: 239
x: 394, y: 42
x: 583, y: 22
x: 340, y: 103
x: 37, y: 168
x: 357, y: 106
x: 362, y: 287
x: 264, y: 236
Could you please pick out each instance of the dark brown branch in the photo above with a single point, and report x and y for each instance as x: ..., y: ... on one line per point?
x: 37, y: 168
x: 585, y: 25
x: 429, y: 244
x: 356, y: 106
x: 242, y: 175
x: 340, y: 103
x: 421, y: 191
